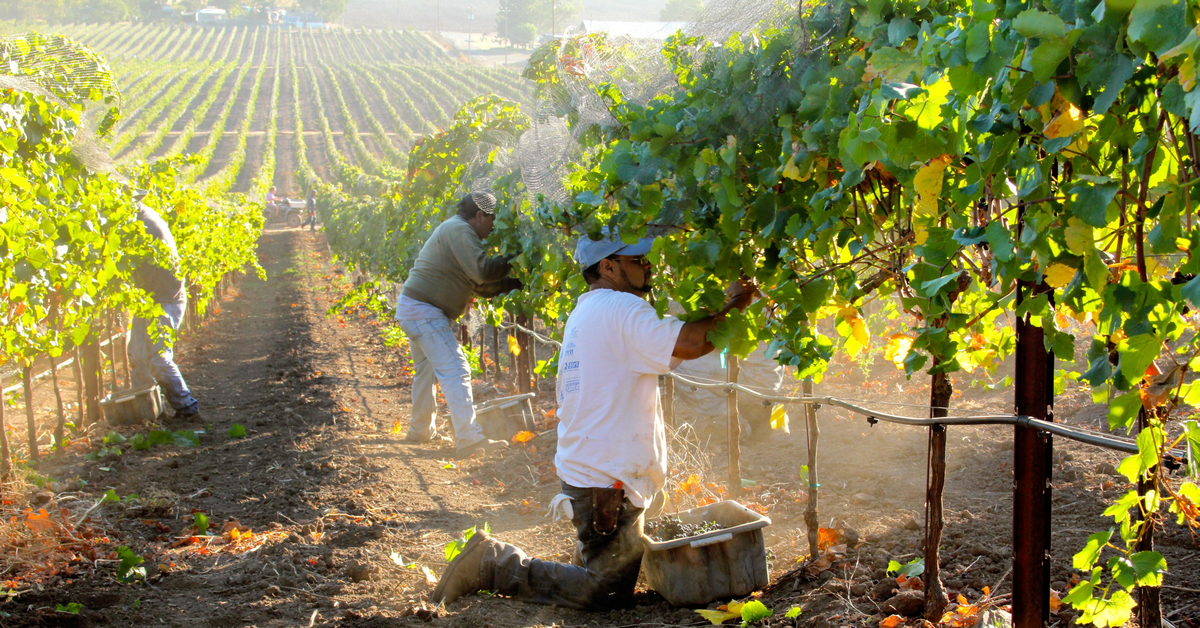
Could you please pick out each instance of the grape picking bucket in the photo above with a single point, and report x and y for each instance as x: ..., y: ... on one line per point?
x: 696, y: 570
x: 502, y: 418
x: 132, y: 406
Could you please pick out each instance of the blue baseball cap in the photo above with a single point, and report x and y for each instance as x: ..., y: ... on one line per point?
x: 589, y: 251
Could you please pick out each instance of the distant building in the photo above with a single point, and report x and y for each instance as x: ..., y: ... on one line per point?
x: 305, y: 20
x: 634, y: 30
x: 210, y: 15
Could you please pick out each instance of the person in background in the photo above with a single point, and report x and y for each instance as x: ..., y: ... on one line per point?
x: 450, y: 270
x: 310, y: 207
x: 612, y: 449
x: 272, y: 207
x: 151, y: 361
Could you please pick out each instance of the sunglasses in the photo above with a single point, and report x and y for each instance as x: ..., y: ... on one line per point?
x: 640, y: 260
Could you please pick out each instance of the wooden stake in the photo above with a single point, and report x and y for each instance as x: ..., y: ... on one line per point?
x: 60, y: 425
x: 5, y: 451
x: 92, y: 382
x: 524, y: 370
x: 496, y: 351
x: 124, y: 334
x: 27, y: 386
x: 482, y: 352
x: 112, y: 355
x: 77, y: 371
x: 813, y: 433
x: 669, y: 401
x: 735, y: 428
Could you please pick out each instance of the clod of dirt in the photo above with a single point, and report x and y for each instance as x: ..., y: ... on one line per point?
x: 1107, y: 468
x: 884, y: 588
x: 272, y: 591
x: 906, y: 603
x: 359, y: 572
x: 42, y: 498
x: 849, y: 536
x: 911, y: 524
x: 1071, y: 475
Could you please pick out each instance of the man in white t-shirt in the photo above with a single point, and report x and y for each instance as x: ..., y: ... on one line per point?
x: 612, y: 448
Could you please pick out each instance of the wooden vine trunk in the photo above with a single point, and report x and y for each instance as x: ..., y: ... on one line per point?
x: 1149, y: 608
x: 935, y: 594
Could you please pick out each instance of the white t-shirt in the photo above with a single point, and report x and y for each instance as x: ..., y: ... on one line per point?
x: 610, y: 421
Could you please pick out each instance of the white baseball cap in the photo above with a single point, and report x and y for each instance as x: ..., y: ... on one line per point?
x: 589, y: 251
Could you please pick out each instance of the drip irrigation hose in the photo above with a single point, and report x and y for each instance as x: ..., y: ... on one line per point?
x: 1084, y: 436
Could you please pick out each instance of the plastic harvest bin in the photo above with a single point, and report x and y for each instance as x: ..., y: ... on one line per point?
x: 133, y: 406
x: 502, y: 418
x: 696, y: 570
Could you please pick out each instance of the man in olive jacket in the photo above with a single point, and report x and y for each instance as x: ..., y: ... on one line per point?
x: 452, y: 268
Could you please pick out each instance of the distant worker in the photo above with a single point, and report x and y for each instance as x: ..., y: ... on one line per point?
x: 150, y: 361
x: 271, y: 206
x: 612, y: 447
x: 310, y: 207
x: 451, y: 268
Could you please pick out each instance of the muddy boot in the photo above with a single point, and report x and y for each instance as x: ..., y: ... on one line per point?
x: 486, y: 446
x: 462, y: 574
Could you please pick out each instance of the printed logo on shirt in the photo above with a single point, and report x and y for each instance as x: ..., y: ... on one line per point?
x: 571, y: 386
x: 571, y: 366
x: 569, y: 350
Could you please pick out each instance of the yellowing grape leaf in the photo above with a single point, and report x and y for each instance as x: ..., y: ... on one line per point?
x: 891, y: 622
x: 723, y: 613
x: 1187, y: 73
x: 1078, y: 235
x: 928, y: 183
x: 897, y: 349
x: 397, y: 427
x: 792, y: 171
x: 779, y: 418
x: 524, y: 437
x: 1059, y: 275
x: 514, y: 347
x: 430, y: 579
x: 1067, y: 121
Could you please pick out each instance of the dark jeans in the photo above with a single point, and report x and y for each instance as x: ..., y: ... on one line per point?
x: 606, y: 580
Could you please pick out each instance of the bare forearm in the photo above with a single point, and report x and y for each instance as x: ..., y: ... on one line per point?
x: 693, y: 339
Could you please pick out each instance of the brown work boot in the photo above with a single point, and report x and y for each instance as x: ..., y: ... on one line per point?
x: 462, y: 574
x: 486, y: 446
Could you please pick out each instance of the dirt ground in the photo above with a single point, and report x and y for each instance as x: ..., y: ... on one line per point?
x: 338, y: 519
